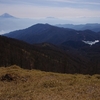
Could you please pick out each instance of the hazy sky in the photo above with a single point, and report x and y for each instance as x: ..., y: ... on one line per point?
x: 51, y: 8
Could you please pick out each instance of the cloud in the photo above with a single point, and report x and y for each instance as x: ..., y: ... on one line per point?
x: 2, y: 32
x: 45, y: 11
x: 52, y: 2
x: 79, y: 4
x: 54, y: 8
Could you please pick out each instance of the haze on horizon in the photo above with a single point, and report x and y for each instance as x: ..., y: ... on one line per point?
x: 84, y: 11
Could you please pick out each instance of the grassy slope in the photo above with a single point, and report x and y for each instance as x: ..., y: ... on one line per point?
x: 39, y: 85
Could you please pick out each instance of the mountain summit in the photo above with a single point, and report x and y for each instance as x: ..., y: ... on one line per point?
x: 6, y: 15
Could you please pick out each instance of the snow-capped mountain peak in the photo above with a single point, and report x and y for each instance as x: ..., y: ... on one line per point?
x: 6, y: 15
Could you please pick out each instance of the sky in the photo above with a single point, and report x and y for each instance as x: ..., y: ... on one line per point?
x: 64, y: 9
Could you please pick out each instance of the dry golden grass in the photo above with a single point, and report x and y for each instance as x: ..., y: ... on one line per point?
x: 21, y: 84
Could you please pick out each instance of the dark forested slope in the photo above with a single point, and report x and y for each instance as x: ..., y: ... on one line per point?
x: 44, y: 56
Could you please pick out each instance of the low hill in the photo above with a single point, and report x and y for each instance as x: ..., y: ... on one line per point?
x: 20, y: 84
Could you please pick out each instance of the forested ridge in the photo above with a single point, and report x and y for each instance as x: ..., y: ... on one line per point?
x: 45, y: 57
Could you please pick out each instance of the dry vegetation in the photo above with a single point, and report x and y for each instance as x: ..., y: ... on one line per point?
x: 21, y: 84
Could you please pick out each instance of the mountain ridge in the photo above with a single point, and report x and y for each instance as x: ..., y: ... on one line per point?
x: 40, y: 33
x: 91, y: 26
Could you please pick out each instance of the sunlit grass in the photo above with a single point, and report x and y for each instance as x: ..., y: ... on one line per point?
x: 39, y: 85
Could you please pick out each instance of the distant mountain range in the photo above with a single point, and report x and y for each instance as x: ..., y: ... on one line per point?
x: 41, y: 33
x: 94, y: 27
x: 10, y: 23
